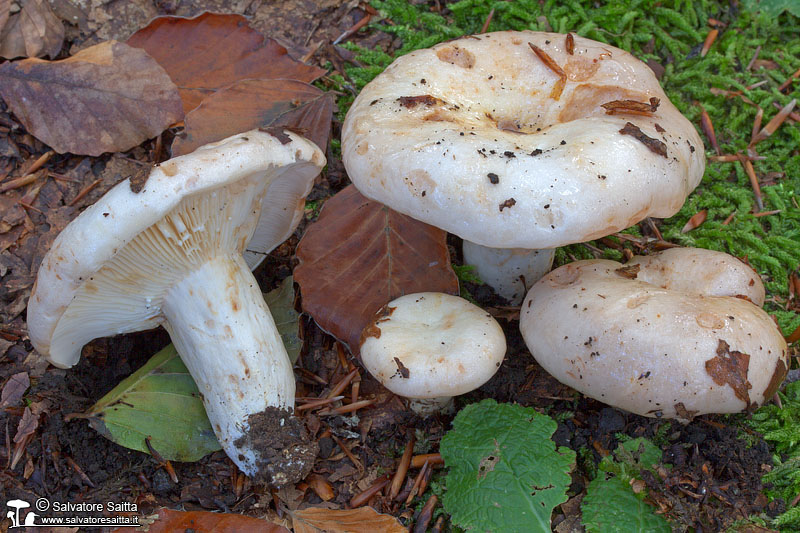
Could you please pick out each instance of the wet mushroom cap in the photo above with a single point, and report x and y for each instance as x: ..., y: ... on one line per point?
x: 510, y: 147
x: 604, y: 330
x: 431, y: 345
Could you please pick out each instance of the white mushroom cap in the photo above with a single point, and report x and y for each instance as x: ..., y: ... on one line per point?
x: 118, y: 287
x: 676, y: 352
x: 430, y: 345
x: 470, y: 137
x: 700, y: 271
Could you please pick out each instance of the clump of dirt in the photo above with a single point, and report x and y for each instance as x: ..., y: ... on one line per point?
x: 286, y: 454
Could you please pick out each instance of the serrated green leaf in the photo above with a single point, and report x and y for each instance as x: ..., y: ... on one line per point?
x: 505, y: 474
x: 161, y: 400
x: 281, y: 304
x: 610, y: 506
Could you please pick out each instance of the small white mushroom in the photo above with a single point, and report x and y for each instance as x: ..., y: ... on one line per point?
x: 432, y: 346
x: 169, y: 252
x: 503, y: 139
x: 673, y: 334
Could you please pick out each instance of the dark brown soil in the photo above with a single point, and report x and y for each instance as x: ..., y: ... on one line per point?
x: 286, y: 454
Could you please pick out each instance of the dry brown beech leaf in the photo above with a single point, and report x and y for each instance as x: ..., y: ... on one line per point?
x: 697, y: 219
x: 167, y: 521
x: 35, y: 31
x: 250, y: 104
x: 14, y: 389
x: 5, y: 9
x: 212, y: 51
x: 359, y: 255
x: 107, y: 98
x: 360, y: 520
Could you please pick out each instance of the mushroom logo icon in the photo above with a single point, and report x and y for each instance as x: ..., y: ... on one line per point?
x: 14, y: 515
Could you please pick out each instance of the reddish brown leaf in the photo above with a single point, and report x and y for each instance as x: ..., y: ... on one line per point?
x: 33, y: 32
x: 774, y: 123
x: 14, y: 389
x: 168, y: 521
x: 555, y: 92
x: 709, y: 41
x: 361, y: 520
x: 251, y: 104
x: 794, y: 285
x: 618, y: 107
x: 212, y: 51
x: 106, y: 98
x: 359, y: 255
x: 695, y: 221
x: 793, y: 336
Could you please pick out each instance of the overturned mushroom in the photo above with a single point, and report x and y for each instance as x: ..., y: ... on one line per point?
x: 170, y: 252
x: 430, y: 347
x: 503, y: 139
x: 673, y: 334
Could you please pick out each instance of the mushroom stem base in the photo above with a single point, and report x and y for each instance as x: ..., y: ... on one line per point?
x: 509, y: 271
x: 432, y: 406
x: 227, y: 338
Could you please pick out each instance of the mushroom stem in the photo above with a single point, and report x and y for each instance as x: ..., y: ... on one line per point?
x: 225, y: 334
x: 425, y: 407
x: 509, y: 271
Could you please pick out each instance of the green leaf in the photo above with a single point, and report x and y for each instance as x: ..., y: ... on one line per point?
x: 631, y: 457
x: 161, y: 400
x: 281, y: 304
x: 773, y: 8
x: 505, y: 474
x: 610, y: 506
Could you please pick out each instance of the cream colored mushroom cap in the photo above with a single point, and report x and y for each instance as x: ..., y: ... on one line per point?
x: 467, y: 136
x: 430, y: 345
x: 286, y: 162
x: 674, y: 352
x: 700, y: 271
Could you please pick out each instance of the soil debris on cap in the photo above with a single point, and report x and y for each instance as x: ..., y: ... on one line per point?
x: 411, y: 102
x: 508, y: 203
x: 654, y: 145
x: 139, y: 179
x: 629, y: 272
x: 683, y: 412
x: 730, y: 367
x: 401, y: 369
x: 370, y: 331
x: 633, y: 107
x: 277, y: 132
